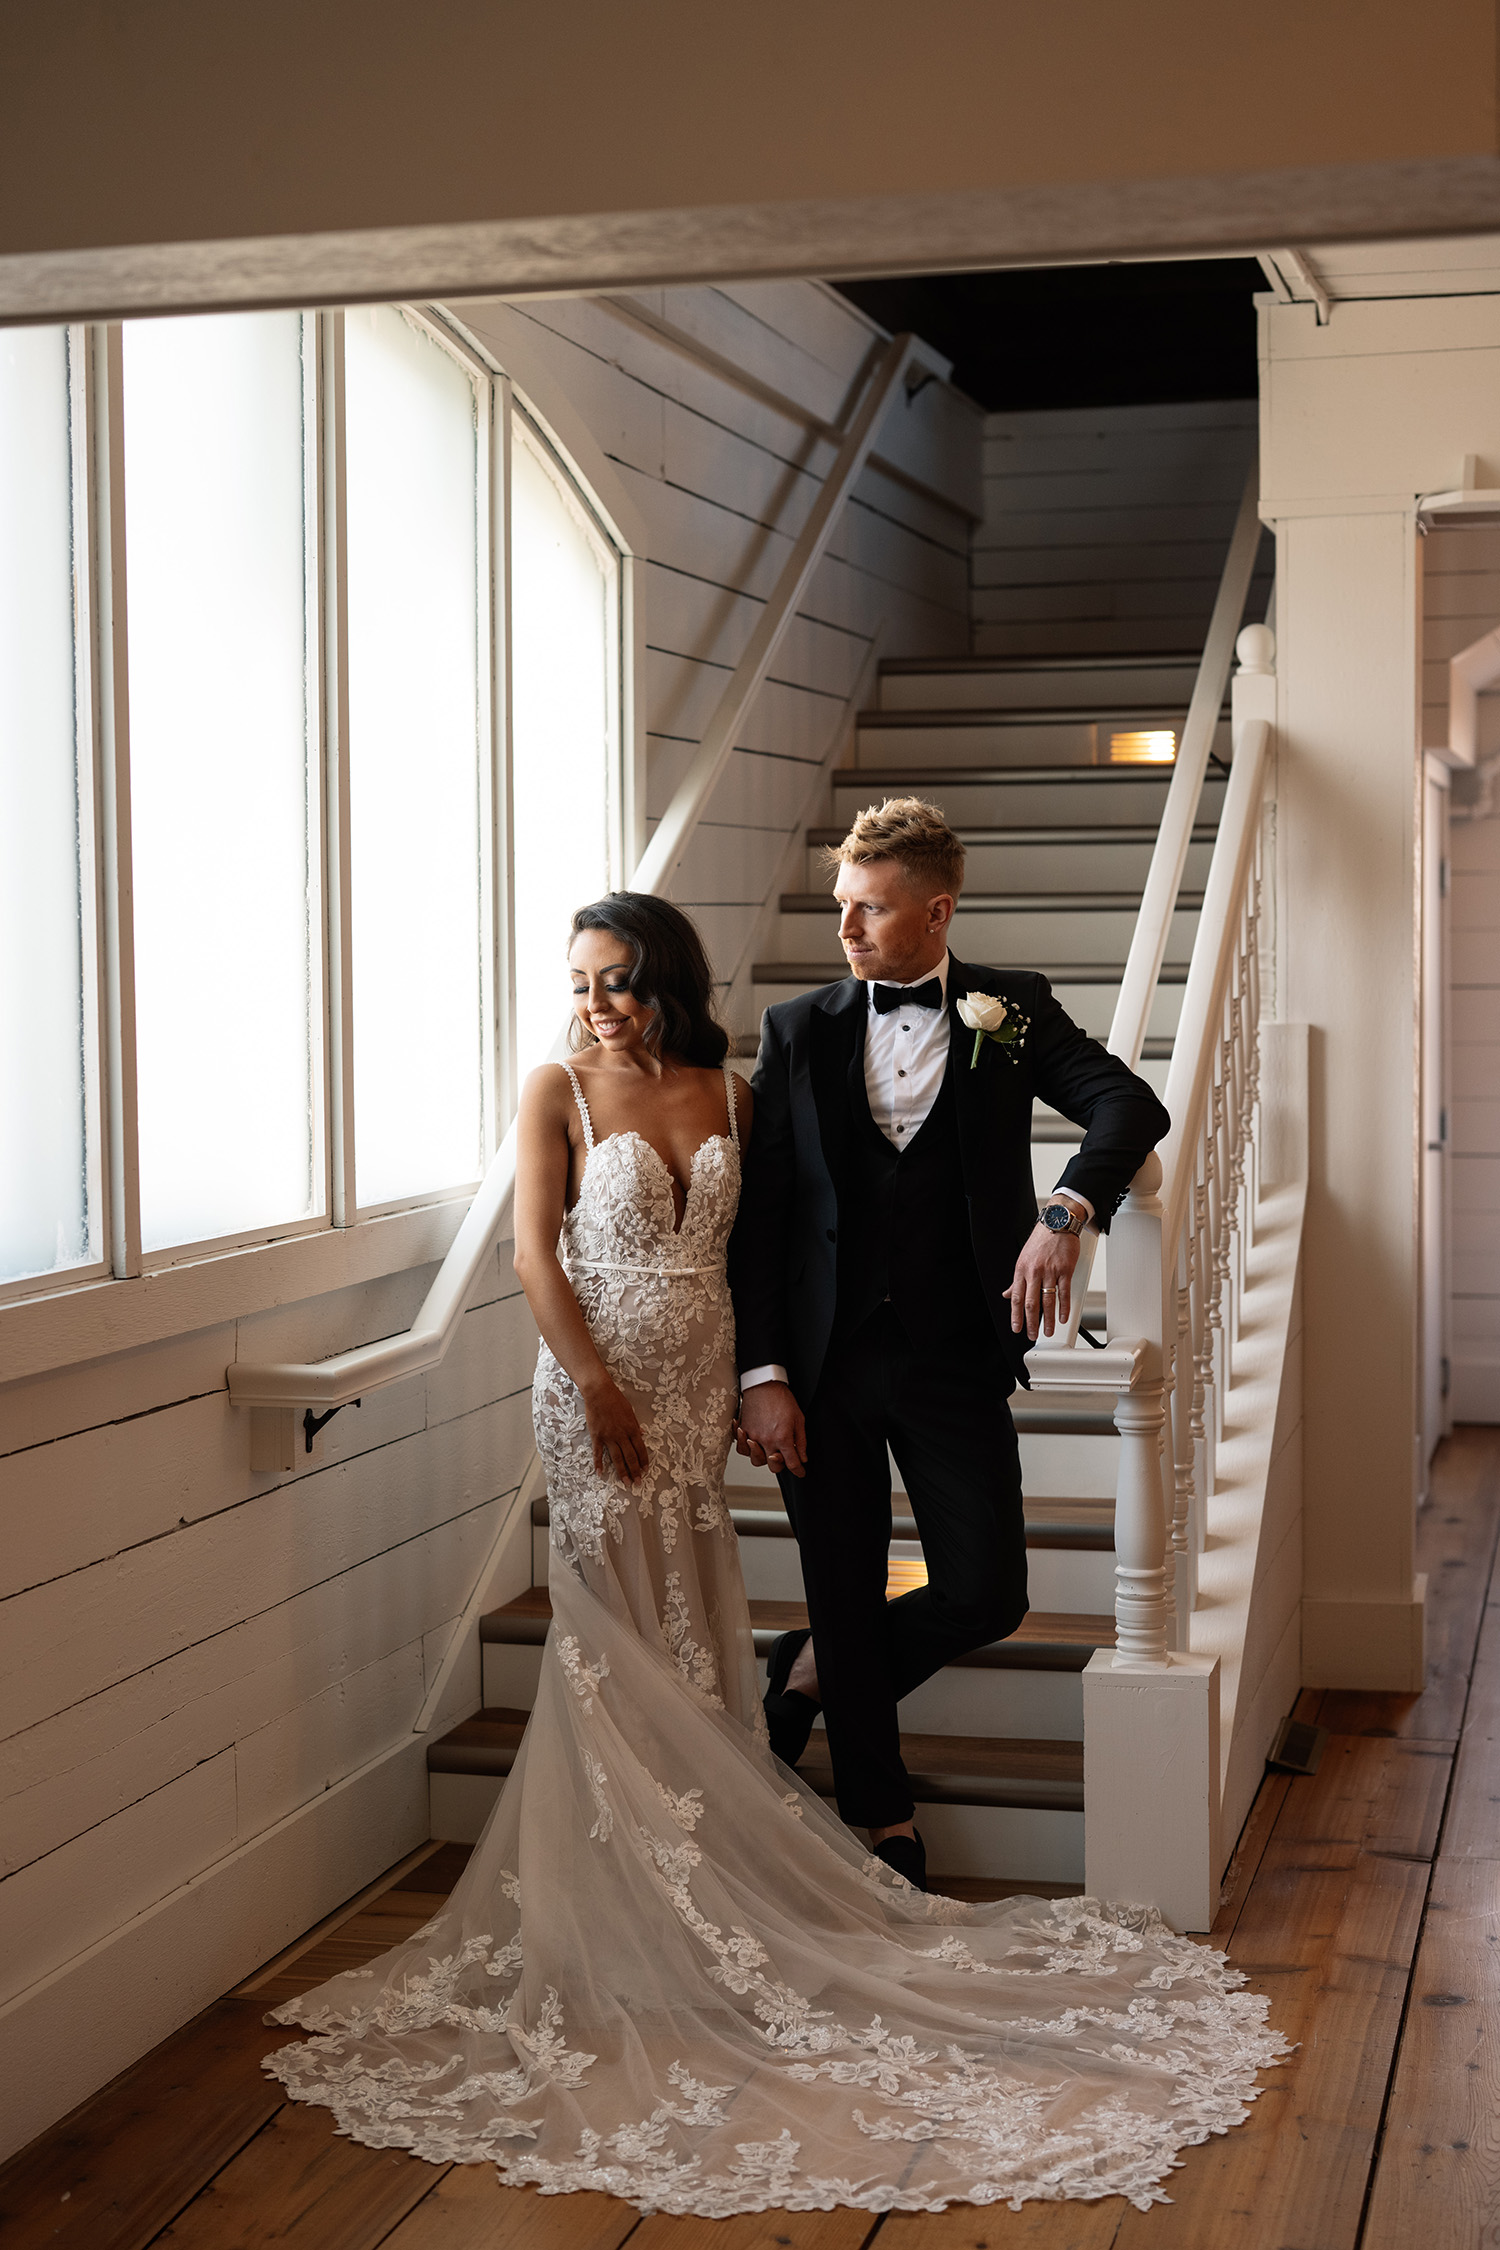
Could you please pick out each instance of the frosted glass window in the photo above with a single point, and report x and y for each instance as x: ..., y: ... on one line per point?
x: 48, y: 1210
x: 415, y: 711
x: 564, y: 697
x: 228, y: 995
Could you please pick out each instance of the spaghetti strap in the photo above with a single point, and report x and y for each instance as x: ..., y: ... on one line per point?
x: 734, y: 1123
x: 583, y: 1108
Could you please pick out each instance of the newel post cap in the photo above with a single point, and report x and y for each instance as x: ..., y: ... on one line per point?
x: 1256, y: 649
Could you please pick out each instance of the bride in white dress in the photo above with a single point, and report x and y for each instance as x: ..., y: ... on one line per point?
x: 668, y: 1971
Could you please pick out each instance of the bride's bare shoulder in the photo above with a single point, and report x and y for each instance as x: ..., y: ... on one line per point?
x: 546, y: 1096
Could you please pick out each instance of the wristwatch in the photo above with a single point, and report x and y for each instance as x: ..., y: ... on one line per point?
x: 1062, y: 1218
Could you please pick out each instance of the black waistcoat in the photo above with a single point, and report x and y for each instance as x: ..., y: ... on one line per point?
x: 904, y: 1230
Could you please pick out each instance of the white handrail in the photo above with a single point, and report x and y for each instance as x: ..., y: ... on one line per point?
x: 1474, y: 669
x: 348, y: 1375
x: 1148, y: 945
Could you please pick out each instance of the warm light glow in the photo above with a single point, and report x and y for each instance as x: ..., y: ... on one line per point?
x: 1146, y: 746
x: 903, y: 1575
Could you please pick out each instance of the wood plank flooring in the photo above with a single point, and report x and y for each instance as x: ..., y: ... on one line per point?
x: 1364, y: 1899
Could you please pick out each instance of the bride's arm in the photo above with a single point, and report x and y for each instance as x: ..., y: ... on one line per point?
x: 542, y: 1157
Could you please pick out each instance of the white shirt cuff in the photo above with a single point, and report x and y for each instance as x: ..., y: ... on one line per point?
x: 754, y: 1375
x: 1071, y: 1195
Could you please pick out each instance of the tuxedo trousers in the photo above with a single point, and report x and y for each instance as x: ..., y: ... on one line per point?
x: 941, y: 1409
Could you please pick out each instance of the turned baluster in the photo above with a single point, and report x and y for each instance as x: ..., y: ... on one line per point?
x: 1184, y: 1383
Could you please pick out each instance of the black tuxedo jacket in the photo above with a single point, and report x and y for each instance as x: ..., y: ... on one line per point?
x: 796, y: 1192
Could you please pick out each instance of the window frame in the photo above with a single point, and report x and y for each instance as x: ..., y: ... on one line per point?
x: 55, y: 1318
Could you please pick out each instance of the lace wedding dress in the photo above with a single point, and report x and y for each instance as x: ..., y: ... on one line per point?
x: 668, y: 1971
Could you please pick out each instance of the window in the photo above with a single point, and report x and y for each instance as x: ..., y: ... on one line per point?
x: 261, y: 988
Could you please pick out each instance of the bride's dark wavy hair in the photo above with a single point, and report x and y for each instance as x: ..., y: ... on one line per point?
x: 670, y: 972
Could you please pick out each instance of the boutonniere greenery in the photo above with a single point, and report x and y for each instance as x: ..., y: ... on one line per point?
x: 990, y: 1017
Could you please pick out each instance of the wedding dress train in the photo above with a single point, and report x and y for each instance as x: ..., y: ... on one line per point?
x: 668, y: 1971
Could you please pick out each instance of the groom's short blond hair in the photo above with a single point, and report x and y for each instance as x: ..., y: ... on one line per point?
x: 912, y: 833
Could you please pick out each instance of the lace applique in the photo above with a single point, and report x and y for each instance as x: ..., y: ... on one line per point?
x: 604, y: 1824
x: 793, y: 1804
x: 686, y: 1810
x: 583, y: 1679
x: 693, y: 1660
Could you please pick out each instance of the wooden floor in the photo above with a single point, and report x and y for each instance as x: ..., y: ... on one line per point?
x: 1365, y: 1900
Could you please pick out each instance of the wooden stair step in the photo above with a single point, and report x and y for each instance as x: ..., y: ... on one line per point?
x: 1045, y: 1640
x: 1087, y: 1524
x: 1066, y: 972
x: 945, y: 1769
x: 1014, y: 902
x: 1142, y: 832
x: 1012, y: 777
x: 959, y: 715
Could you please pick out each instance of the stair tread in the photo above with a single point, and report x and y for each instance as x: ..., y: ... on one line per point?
x: 1104, y: 661
x: 1035, y: 832
x: 1069, y: 775
x: 947, y: 1763
x: 1065, y: 972
x: 1047, y: 1640
x: 1013, y: 902
x: 1023, y: 714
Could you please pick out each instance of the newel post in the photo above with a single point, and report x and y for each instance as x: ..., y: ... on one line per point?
x: 1150, y: 1712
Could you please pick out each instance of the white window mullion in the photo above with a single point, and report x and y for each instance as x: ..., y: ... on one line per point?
x: 334, y: 626
x: 90, y: 842
x: 489, y: 523
x: 112, y: 726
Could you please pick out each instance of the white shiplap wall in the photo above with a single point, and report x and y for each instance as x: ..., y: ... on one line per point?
x: 721, y: 481
x: 1461, y: 601
x: 1105, y: 529
x: 208, y: 1679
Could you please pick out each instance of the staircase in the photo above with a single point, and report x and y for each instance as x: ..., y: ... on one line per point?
x: 1059, y: 834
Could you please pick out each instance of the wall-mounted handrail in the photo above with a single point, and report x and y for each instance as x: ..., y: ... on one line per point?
x: 1474, y: 669
x: 349, y: 1375
x: 1148, y: 945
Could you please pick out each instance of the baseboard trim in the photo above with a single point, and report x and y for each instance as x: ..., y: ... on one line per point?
x: 71, y: 2032
x: 1376, y: 1646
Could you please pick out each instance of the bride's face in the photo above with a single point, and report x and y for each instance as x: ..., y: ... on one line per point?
x: 603, y: 1002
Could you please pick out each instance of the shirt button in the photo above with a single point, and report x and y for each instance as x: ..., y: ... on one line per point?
x: 906, y: 1027
x: 901, y: 1074
x: 901, y: 1128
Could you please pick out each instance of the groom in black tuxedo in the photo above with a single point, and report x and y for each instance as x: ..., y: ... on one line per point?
x: 889, y: 1272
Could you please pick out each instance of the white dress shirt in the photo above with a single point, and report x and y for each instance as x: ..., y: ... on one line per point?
x: 906, y: 1054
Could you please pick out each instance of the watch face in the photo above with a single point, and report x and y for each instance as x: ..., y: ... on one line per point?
x: 1058, y: 1217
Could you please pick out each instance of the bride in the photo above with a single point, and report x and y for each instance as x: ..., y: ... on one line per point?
x: 668, y: 1971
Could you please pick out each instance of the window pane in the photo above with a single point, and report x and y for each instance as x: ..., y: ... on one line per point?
x: 564, y: 639
x: 48, y: 1217
x: 414, y: 745
x: 227, y: 988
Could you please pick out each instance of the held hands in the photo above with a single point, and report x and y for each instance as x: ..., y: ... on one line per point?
x: 1041, y: 1292
x: 770, y: 1430
x: 614, y: 1432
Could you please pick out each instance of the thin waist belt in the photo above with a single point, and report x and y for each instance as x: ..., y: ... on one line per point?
x: 609, y: 1265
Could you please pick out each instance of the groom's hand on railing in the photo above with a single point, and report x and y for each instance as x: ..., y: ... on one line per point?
x: 770, y: 1430
x: 1041, y: 1292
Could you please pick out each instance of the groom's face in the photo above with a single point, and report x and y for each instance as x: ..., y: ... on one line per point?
x: 890, y: 929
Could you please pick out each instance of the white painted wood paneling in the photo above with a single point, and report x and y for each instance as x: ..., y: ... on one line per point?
x: 1106, y: 529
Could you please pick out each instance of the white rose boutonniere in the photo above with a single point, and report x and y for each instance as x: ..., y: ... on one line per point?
x: 990, y: 1017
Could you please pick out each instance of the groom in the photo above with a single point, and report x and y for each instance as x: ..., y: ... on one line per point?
x: 889, y: 1271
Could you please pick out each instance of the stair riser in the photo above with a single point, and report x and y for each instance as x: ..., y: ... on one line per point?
x: 1012, y: 742
x: 1057, y: 1578
x: 1084, y: 1468
x: 1019, y: 940
x: 1049, y: 867
x: 1063, y: 688
x: 1102, y: 801
x: 1040, y: 1847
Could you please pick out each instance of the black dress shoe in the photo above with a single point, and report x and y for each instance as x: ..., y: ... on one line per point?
x: 907, y: 1855
x: 790, y: 1716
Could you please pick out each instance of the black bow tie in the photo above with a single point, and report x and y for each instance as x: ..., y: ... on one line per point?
x: 889, y: 997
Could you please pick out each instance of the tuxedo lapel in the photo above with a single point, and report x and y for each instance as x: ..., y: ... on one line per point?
x: 835, y: 1040
x: 970, y: 1087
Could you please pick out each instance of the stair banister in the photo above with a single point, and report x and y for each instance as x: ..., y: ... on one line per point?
x: 274, y: 1389
x: 1148, y: 945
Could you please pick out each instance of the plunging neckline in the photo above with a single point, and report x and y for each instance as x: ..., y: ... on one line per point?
x: 629, y: 1133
